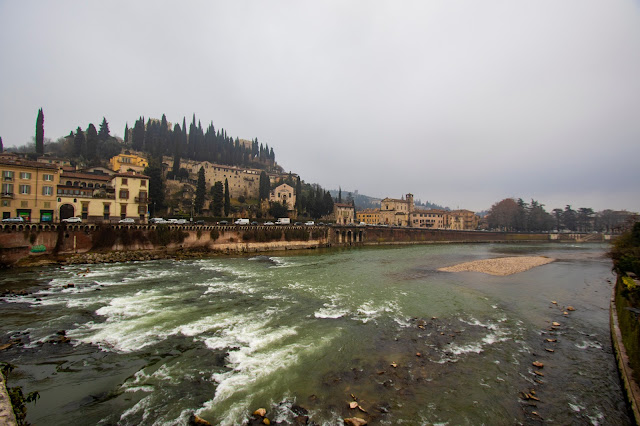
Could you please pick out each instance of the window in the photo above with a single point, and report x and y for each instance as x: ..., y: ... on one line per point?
x: 47, y: 190
x: 124, y: 194
x: 6, y: 203
x: 7, y: 189
x: 7, y: 175
x: 25, y: 175
x: 25, y: 189
x: 124, y: 181
x: 143, y: 183
x: 47, y: 204
x: 47, y: 178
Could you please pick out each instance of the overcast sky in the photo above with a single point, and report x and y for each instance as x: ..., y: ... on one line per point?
x: 462, y: 103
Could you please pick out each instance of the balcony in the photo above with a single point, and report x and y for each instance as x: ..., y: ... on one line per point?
x: 7, y: 195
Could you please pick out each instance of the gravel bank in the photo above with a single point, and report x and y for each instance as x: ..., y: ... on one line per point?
x: 501, y: 265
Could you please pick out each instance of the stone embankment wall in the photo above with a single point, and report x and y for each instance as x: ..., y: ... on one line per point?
x: 33, y: 242
x: 625, y: 334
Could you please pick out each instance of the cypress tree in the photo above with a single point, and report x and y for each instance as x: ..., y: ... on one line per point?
x: 156, y: 183
x: 92, y: 141
x: 298, y: 205
x: 200, y: 191
x: 126, y: 133
x: 40, y: 133
x: 227, y: 198
x: 137, y: 136
x: 218, y: 198
x: 264, y: 186
x: 1, y: 146
x: 177, y: 140
x: 79, y: 143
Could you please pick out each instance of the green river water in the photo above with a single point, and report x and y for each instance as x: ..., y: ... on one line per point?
x: 153, y: 342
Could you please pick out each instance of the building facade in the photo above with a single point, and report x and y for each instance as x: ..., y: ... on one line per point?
x: 284, y: 194
x: 396, y: 212
x: 28, y: 189
x: 128, y: 162
x: 435, y: 219
x: 345, y: 214
x: 100, y: 197
x: 369, y: 216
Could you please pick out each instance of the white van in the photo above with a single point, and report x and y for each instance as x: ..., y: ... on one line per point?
x: 241, y: 222
x: 283, y: 221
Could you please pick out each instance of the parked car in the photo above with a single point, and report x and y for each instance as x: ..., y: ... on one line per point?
x: 269, y: 223
x: 200, y: 222
x: 298, y: 223
x: 181, y: 221
x: 127, y: 220
x: 74, y: 219
x: 223, y: 222
x: 13, y: 220
x: 241, y: 222
x: 157, y: 220
x: 254, y: 223
x: 310, y: 223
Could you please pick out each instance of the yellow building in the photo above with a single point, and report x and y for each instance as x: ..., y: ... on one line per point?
x: 369, y: 216
x: 28, y: 189
x: 128, y: 162
x: 99, y: 197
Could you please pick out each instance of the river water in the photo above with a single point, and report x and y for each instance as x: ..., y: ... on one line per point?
x: 153, y: 342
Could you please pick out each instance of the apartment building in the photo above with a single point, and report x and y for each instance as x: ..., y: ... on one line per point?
x: 28, y: 189
x: 435, y: 219
x: 101, y: 197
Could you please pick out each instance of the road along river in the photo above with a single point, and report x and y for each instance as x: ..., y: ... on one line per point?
x: 310, y: 333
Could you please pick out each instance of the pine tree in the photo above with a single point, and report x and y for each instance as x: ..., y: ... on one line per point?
x: 227, y: 198
x: 103, y: 134
x: 200, y: 191
x: 40, y: 133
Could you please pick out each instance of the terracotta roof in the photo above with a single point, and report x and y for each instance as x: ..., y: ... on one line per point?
x: 91, y: 176
x: 26, y: 163
x: 350, y: 206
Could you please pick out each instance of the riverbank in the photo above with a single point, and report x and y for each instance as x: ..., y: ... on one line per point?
x: 501, y: 266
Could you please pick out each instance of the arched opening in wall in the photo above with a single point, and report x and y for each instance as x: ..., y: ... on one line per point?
x: 349, y: 237
x: 66, y: 211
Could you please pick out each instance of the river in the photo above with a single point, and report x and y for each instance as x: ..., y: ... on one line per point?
x: 153, y: 342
